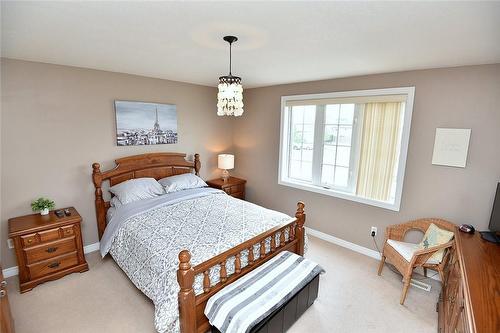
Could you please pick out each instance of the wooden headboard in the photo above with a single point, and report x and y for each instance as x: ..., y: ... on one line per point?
x: 154, y: 165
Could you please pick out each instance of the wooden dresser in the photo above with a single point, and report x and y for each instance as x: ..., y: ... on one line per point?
x: 235, y: 187
x: 470, y: 298
x: 47, y: 247
x: 6, y: 319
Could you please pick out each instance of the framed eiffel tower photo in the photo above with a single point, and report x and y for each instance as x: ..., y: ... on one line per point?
x: 142, y: 123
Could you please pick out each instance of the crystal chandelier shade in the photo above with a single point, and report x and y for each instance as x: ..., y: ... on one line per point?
x: 230, y: 96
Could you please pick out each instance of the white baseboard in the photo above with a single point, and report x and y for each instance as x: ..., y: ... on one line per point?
x: 338, y: 241
x: 91, y: 248
x: 13, y: 271
x: 351, y: 246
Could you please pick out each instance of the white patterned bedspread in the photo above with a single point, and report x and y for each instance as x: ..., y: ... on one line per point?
x: 145, y: 239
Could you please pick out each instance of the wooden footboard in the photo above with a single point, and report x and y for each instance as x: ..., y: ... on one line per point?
x: 191, y: 307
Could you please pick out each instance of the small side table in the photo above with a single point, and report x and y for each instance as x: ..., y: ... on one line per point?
x: 235, y: 187
x: 47, y: 247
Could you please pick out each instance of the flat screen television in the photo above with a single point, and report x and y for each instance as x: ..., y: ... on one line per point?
x: 493, y: 235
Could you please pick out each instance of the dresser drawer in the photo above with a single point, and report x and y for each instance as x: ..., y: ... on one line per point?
x: 68, y: 230
x: 234, y: 189
x: 40, y: 237
x: 53, y: 265
x: 49, y: 235
x: 29, y: 240
x: 50, y: 250
x: 239, y: 195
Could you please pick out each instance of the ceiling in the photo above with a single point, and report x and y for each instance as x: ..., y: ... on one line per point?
x: 279, y: 42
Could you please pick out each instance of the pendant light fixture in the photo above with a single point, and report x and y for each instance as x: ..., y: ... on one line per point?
x: 230, y: 96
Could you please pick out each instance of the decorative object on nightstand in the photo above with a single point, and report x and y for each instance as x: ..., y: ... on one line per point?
x: 42, y: 205
x: 225, y: 162
x: 47, y: 247
x: 235, y: 187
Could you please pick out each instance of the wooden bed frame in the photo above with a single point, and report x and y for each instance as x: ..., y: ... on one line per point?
x: 191, y: 307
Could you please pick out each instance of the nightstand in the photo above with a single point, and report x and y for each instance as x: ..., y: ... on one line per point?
x: 47, y: 247
x: 235, y: 187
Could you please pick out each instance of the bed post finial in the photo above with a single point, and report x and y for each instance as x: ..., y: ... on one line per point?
x: 187, y: 303
x: 300, y: 208
x: 99, y: 202
x: 299, y: 228
x: 197, y: 164
x: 96, y: 167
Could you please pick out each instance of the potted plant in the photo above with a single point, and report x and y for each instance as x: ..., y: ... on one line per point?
x: 42, y: 205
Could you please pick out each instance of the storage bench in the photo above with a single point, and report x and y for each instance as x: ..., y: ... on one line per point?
x: 267, y: 300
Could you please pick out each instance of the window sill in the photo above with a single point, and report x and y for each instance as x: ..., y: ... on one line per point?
x: 342, y: 195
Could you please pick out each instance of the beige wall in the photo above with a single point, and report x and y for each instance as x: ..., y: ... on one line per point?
x: 57, y: 120
x: 466, y: 97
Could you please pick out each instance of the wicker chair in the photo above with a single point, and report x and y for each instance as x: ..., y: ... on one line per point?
x: 417, y: 257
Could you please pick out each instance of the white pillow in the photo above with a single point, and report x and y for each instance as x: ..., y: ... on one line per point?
x: 136, y: 189
x: 114, y: 202
x: 181, y: 182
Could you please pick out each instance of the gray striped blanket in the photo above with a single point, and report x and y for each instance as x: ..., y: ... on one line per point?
x: 244, y: 303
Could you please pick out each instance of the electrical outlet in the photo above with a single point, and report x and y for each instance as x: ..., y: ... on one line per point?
x: 10, y: 243
x: 373, y: 231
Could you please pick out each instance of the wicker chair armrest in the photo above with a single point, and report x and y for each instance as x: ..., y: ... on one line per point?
x: 433, y: 249
x: 421, y: 256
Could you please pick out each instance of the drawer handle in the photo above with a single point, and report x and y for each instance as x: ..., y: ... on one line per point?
x: 2, y: 293
x: 30, y: 241
x: 3, y: 284
x: 51, y: 249
x: 54, y: 265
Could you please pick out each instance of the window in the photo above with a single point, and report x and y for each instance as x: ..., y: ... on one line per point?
x: 350, y: 145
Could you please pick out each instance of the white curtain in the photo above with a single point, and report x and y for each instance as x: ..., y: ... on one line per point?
x: 379, y: 149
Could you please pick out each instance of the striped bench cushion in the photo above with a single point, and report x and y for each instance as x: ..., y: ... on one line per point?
x: 244, y: 303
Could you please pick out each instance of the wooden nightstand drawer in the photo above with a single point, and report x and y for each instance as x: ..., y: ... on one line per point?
x: 236, y: 189
x: 49, y: 235
x: 68, y: 231
x: 50, y: 250
x: 239, y: 195
x: 53, y: 265
x: 29, y: 240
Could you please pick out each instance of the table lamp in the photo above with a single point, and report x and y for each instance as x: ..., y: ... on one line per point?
x: 225, y: 162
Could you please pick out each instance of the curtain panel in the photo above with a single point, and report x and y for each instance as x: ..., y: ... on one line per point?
x: 379, y: 149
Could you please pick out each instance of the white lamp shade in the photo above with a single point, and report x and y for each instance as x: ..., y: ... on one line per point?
x: 225, y: 161
x: 230, y: 100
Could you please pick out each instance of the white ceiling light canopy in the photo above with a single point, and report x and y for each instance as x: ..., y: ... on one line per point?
x: 230, y: 96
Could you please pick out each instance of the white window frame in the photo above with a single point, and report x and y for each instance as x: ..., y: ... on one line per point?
x: 405, y: 137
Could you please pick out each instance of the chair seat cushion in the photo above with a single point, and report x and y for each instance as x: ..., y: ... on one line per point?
x: 406, y: 250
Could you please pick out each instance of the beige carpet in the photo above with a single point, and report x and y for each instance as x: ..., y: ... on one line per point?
x: 352, y: 298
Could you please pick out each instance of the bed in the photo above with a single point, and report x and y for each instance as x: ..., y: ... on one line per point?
x: 181, y: 248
